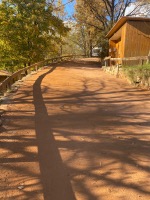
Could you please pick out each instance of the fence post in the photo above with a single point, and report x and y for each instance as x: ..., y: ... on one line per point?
x: 9, y: 85
x: 3, y: 89
x: 148, y: 59
x: 36, y: 68
x: 28, y: 71
x: 19, y: 77
x: 141, y: 61
x: 117, y: 74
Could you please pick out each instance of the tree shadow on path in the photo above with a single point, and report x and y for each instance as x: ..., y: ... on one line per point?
x: 55, y: 181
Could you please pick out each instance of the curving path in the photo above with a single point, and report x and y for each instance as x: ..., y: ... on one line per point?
x: 73, y: 132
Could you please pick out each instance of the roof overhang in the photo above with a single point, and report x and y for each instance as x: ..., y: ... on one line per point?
x: 121, y: 22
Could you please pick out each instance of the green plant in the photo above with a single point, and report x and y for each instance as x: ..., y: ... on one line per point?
x: 137, y: 74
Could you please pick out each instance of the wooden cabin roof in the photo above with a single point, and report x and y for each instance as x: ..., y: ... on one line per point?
x: 122, y: 21
x: 4, y: 73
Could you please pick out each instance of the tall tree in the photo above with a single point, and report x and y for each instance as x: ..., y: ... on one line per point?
x: 59, y: 11
x: 106, y: 12
x: 29, y: 28
x: 102, y: 14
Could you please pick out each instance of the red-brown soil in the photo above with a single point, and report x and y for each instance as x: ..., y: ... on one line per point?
x: 71, y: 131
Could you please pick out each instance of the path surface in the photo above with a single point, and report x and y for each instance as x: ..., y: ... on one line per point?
x: 72, y: 132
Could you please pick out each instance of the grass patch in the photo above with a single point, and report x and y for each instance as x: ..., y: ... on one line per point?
x: 137, y: 73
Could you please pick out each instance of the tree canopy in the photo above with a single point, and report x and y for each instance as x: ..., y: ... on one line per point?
x: 29, y: 31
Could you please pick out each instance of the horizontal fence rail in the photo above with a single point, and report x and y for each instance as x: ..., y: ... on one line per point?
x: 139, y: 60
x: 8, y: 82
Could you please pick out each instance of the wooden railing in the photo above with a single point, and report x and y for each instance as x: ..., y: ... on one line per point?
x: 139, y: 60
x: 8, y: 82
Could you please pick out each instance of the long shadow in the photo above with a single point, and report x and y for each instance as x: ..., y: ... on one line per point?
x: 98, y: 137
x: 55, y: 181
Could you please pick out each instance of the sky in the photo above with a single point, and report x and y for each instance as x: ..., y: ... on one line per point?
x: 69, y: 7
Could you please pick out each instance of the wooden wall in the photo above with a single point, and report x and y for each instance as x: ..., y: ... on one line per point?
x: 137, y: 41
x: 112, y: 46
x: 118, y: 44
x: 124, y: 35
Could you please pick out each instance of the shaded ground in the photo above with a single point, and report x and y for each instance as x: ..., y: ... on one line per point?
x: 74, y: 132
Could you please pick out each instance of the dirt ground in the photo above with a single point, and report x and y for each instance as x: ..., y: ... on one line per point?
x: 73, y: 132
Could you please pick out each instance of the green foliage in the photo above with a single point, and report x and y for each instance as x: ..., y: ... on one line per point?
x: 94, y: 31
x: 29, y: 32
x: 137, y: 73
x: 73, y: 43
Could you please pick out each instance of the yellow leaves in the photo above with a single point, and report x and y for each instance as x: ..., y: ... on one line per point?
x: 29, y: 29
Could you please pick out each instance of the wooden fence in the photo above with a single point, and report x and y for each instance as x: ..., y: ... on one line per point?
x: 8, y: 82
x: 140, y: 60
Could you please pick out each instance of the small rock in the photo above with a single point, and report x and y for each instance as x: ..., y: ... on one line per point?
x: 62, y: 107
x: 20, y: 187
x: 100, y: 163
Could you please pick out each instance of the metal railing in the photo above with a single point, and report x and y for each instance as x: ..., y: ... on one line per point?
x: 8, y: 82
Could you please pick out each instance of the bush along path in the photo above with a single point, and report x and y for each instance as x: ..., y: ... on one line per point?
x: 138, y: 76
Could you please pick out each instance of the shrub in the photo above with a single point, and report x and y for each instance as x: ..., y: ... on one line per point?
x: 138, y: 74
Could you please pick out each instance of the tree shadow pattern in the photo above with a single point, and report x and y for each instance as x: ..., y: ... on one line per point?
x: 92, y: 139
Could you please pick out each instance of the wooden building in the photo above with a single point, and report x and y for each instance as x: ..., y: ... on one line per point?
x: 3, y: 75
x: 129, y: 37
